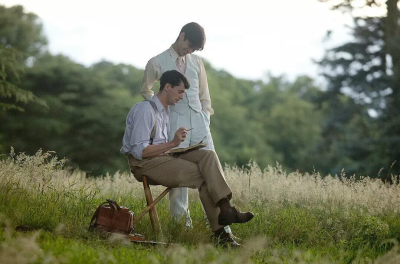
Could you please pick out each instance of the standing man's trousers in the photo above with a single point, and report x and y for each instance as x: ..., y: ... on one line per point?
x: 198, y: 169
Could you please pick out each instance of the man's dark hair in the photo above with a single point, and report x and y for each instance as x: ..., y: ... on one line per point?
x: 174, y: 78
x: 195, y: 34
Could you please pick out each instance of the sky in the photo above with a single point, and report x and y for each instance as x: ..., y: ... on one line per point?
x: 248, y: 38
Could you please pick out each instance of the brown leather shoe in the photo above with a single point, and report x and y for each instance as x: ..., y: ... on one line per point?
x: 224, y: 239
x: 233, y: 215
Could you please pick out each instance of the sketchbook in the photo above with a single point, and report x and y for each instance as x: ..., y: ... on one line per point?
x: 183, y: 150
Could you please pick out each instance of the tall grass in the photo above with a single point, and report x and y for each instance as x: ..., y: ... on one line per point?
x: 299, y: 217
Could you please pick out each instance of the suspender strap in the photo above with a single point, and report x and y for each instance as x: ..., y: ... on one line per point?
x: 153, y: 131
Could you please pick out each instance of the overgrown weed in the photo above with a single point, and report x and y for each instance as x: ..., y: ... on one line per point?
x: 296, y: 211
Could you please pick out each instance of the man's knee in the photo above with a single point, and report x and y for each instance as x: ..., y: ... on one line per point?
x: 208, y: 152
x: 211, y: 154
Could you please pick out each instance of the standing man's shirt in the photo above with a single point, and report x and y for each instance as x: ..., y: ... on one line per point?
x: 152, y: 73
x: 139, y: 124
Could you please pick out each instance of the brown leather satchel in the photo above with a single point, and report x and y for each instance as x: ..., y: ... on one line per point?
x: 110, y: 217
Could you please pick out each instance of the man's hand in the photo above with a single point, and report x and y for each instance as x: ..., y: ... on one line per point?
x: 180, y: 136
x: 154, y: 150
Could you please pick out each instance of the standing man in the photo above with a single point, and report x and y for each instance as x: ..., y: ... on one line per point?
x: 194, y: 110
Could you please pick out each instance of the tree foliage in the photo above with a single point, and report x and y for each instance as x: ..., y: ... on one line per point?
x: 22, y: 31
x: 21, y: 37
x: 366, y: 70
x: 85, y: 119
x: 294, y: 123
x: 10, y: 94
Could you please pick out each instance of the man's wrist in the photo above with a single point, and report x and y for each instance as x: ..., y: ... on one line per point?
x: 172, y: 144
x: 206, y: 112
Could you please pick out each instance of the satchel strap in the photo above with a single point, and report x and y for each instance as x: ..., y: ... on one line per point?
x: 96, y: 213
x: 113, y: 204
x: 153, y: 131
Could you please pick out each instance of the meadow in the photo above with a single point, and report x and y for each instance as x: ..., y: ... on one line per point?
x: 45, y: 209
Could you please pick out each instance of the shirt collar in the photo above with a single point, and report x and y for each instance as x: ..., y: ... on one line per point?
x: 159, y: 105
x: 175, y: 55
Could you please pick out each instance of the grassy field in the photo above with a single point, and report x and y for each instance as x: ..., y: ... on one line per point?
x: 45, y: 210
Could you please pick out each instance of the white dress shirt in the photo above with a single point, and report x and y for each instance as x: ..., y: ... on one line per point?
x: 139, y: 124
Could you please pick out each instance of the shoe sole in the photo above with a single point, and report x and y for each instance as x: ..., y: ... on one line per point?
x: 224, y: 222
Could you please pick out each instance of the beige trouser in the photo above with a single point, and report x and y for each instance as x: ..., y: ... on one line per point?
x: 198, y: 169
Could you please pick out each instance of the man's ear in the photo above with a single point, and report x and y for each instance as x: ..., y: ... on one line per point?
x: 182, y: 36
x: 167, y: 87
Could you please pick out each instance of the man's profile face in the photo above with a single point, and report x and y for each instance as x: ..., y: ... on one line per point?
x: 175, y: 94
x: 184, y: 46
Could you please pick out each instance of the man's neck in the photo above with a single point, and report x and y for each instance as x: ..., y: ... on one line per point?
x: 162, y: 98
x: 175, y: 47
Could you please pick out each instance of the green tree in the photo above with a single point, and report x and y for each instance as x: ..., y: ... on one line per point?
x: 368, y: 70
x: 21, y: 37
x: 289, y: 120
x: 237, y: 135
x: 22, y: 31
x: 265, y: 122
x: 84, y: 121
x: 10, y: 94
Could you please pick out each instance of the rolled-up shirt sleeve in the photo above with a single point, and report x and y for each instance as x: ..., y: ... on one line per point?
x: 152, y: 73
x: 139, y: 124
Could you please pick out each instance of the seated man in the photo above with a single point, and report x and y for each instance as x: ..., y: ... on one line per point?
x: 198, y: 169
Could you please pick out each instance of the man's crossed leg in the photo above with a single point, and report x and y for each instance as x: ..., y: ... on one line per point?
x: 198, y: 169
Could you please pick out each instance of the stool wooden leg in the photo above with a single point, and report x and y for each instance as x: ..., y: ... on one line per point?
x: 155, y: 223
x: 145, y: 211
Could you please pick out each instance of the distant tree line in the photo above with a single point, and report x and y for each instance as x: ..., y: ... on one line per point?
x: 50, y: 102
